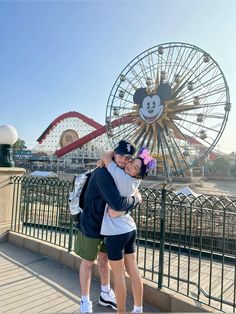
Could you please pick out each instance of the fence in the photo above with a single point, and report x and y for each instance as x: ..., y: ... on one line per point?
x: 186, y: 244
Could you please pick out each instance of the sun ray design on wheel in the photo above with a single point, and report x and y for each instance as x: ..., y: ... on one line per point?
x: 174, y: 99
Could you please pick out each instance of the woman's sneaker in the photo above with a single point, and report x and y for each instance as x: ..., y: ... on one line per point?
x: 108, y: 299
x: 86, y: 307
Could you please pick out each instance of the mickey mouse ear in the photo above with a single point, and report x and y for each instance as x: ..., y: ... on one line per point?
x: 139, y: 95
x: 164, y: 91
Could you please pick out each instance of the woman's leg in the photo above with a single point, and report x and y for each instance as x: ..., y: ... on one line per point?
x: 136, y: 280
x: 119, y: 284
x: 116, y: 246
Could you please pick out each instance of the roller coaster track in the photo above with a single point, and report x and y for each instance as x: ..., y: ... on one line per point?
x: 91, y: 136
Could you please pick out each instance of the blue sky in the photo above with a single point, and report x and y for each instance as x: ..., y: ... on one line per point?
x: 58, y: 56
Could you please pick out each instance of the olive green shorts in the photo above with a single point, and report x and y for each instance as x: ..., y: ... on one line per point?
x: 88, y: 248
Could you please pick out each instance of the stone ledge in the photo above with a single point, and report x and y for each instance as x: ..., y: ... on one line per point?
x: 12, y: 171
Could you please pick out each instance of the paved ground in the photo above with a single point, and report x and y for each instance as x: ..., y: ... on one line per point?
x: 224, y: 188
x: 32, y: 283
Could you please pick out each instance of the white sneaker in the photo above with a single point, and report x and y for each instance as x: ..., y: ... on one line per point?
x: 108, y: 299
x: 86, y: 307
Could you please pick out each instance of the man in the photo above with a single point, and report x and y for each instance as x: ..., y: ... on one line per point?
x: 89, y: 244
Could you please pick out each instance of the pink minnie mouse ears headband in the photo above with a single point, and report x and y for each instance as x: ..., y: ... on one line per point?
x: 148, y: 160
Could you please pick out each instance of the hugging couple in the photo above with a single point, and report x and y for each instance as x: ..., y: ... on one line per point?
x: 106, y: 229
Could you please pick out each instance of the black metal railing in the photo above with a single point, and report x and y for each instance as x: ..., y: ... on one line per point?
x: 184, y: 243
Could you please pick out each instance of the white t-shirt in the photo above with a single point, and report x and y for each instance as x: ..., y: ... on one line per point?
x: 127, y: 187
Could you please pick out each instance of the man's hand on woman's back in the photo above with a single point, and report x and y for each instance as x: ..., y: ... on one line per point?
x: 114, y: 213
x: 138, y: 197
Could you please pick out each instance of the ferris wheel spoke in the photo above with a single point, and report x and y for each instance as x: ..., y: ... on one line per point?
x: 157, y: 80
x: 151, y: 66
x: 202, y: 85
x: 213, y: 93
x: 187, y: 108
x: 178, y: 133
x: 165, y: 164
x: 185, y: 128
x: 144, y: 69
x: 154, y: 140
x: 168, y: 59
x: 205, y: 115
x: 125, y: 93
x: 150, y: 138
x: 132, y: 131
x: 139, y: 135
x: 198, y: 136
x: 205, y: 73
x: 137, y: 77
x: 131, y: 83
x: 180, y: 54
x: 172, y: 154
x: 137, y: 131
x: 124, y: 132
x: 171, y: 70
x: 183, y: 66
x: 213, y: 128
x: 179, y: 58
x: 173, y: 139
x: 187, y: 72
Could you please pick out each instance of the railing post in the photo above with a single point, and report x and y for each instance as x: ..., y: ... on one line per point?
x: 162, y: 235
x: 70, y: 235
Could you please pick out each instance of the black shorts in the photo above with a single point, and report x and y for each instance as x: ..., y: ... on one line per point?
x: 118, y: 245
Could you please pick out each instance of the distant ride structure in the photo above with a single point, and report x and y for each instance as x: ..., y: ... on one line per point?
x: 174, y: 99
x: 59, y: 141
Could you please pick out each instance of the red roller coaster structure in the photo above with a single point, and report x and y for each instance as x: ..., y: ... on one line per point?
x: 91, y: 136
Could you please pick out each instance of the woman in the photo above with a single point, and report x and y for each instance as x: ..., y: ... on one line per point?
x: 120, y: 229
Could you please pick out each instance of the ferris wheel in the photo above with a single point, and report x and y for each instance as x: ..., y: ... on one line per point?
x: 173, y: 99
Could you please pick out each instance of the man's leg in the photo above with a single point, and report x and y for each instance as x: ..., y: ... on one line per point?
x: 104, y: 269
x: 107, y: 296
x: 85, y: 276
x: 87, y: 248
x: 85, y: 282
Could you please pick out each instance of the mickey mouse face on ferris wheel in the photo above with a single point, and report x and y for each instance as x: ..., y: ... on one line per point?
x: 151, y: 105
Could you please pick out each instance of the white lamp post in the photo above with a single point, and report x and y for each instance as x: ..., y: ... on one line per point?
x: 8, y: 136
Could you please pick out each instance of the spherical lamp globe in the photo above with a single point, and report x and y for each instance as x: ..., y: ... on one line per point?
x: 8, y: 134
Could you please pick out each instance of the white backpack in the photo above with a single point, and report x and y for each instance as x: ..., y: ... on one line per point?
x: 76, y: 197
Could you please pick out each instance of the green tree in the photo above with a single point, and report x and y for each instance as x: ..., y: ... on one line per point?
x: 221, y: 165
x: 19, y: 145
x: 233, y: 171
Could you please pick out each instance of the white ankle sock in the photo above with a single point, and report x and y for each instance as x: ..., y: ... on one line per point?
x: 105, y: 288
x: 137, y: 309
x: 85, y: 298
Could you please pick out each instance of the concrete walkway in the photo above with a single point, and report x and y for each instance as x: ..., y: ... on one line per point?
x: 33, y: 283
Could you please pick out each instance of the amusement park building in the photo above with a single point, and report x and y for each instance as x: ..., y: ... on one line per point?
x: 70, y: 128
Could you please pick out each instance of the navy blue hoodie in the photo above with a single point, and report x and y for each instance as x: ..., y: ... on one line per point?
x: 101, y: 190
